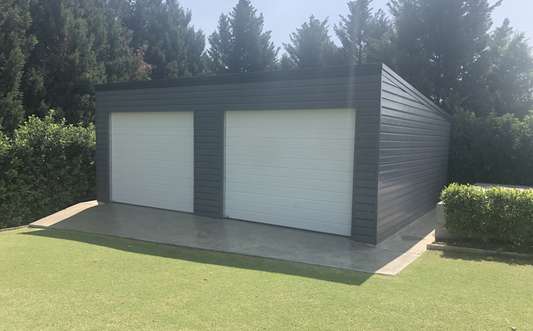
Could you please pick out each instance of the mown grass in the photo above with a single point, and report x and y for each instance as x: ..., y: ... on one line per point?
x: 51, y: 280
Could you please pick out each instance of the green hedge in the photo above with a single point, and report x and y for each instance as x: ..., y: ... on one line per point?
x: 493, y: 149
x: 45, y: 167
x: 501, y: 215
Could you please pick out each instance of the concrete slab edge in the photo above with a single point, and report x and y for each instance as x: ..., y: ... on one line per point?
x: 218, y: 251
x: 392, y: 268
x: 36, y: 226
x: 396, y: 266
x: 62, y: 215
x: 478, y: 251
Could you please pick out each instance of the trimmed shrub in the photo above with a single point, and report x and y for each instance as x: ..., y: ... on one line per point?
x: 493, y: 149
x: 44, y: 168
x: 5, y: 173
x: 496, y: 214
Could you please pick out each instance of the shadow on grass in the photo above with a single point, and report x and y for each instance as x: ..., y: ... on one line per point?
x: 487, y: 258
x: 208, y: 257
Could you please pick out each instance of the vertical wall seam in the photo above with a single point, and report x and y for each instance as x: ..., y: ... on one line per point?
x: 208, y: 163
x: 366, y: 147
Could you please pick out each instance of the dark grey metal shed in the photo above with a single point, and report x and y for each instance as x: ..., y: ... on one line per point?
x: 400, y: 146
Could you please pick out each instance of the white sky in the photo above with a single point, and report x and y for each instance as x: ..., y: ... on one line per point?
x: 282, y: 17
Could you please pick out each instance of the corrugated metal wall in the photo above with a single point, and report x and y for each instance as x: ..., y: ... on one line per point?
x: 209, y: 97
x: 413, y: 155
x: 208, y: 163
x: 401, y: 139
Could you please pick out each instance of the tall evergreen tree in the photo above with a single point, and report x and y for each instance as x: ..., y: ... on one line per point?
x: 311, y: 45
x: 365, y: 36
x: 506, y: 81
x: 286, y: 63
x: 171, y: 45
x: 221, y: 48
x: 15, y: 44
x: 240, y: 44
x: 63, y: 65
x: 112, y: 40
x: 79, y: 43
x: 439, y: 42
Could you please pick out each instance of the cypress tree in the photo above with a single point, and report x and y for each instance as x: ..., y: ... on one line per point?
x: 162, y: 30
x: 311, y: 45
x: 365, y: 36
x: 439, y: 43
x: 79, y: 43
x: 15, y: 45
x: 240, y: 44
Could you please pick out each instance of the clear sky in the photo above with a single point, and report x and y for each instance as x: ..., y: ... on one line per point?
x: 283, y: 16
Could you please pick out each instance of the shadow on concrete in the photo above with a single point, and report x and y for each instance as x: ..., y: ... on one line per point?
x: 208, y: 257
x: 242, y: 238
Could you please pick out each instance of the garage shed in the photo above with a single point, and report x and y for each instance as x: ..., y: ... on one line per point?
x: 351, y: 151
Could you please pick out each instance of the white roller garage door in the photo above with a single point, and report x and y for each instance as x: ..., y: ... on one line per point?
x: 292, y: 168
x: 152, y: 158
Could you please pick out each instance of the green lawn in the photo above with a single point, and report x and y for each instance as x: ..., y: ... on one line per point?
x: 52, y: 280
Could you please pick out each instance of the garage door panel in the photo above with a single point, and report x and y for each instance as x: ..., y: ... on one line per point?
x: 333, y: 185
x: 153, y: 123
x: 292, y: 187
x: 297, y: 197
x: 166, y: 162
x: 282, y: 218
x: 294, y: 147
x: 313, y: 203
x: 152, y: 159
x: 295, y: 165
x: 292, y: 120
x: 286, y: 172
x: 291, y: 150
x: 291, y: 168
x: 274, y: 157
x: 151, y: 147
x: 324, y: 222
x: 131, y: 179
x: 319, y: 136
